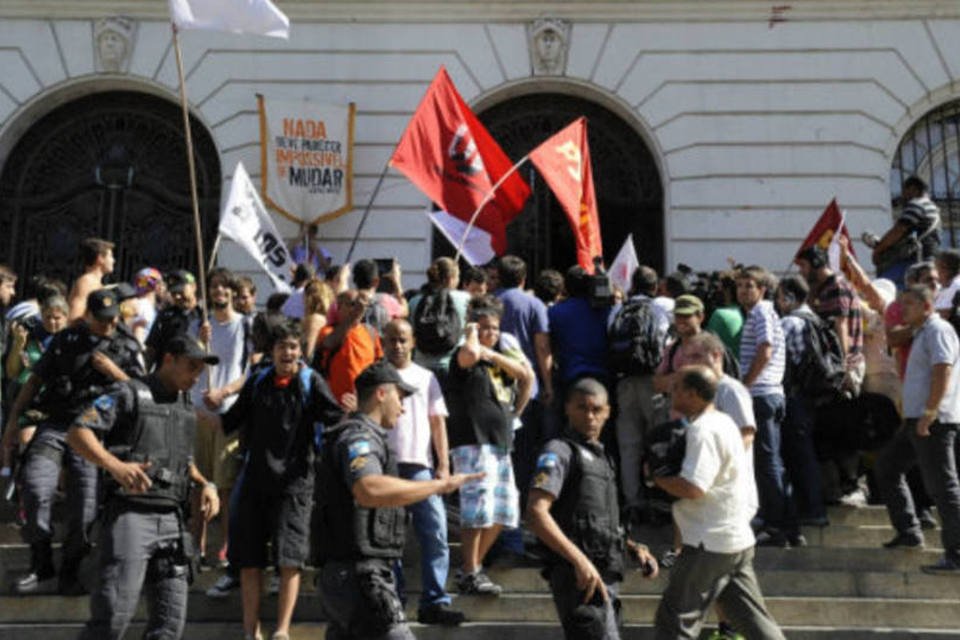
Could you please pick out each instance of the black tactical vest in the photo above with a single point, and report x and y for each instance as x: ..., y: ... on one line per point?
x: 162, y: 434
x: 587, y: 510
x: 345, y: 530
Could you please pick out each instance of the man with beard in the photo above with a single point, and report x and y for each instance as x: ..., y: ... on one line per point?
x: 175, y: 320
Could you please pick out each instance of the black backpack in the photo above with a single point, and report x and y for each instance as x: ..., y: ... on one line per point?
x: 636, y: 346
x: 436, y: 324
x: 821, y: 370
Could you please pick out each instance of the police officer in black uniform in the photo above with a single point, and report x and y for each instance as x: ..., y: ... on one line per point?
x: 179, y: 319
x: 573, y: 510
x: 147, y: 427
x: 361, y: 520
x: 80, y: 363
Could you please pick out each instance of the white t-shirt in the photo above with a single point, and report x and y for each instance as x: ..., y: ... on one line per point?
x: 717, y: 463
x: 944, y: 299
x: 227, y: 343
x: 410, y: 439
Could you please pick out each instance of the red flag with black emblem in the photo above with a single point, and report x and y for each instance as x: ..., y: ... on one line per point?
x: 824, y: 231
x: 450, y: 156
x: 564, y: 162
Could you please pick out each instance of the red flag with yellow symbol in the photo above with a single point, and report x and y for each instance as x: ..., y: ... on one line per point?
x: 564, y: 162
x: 824, y: 231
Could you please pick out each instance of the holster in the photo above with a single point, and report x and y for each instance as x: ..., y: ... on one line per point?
x: 379, y: 600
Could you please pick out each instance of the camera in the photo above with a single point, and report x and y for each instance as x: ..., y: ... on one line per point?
x: 601, y: 293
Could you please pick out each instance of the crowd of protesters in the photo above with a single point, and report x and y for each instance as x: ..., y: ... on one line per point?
x: 733, y: 395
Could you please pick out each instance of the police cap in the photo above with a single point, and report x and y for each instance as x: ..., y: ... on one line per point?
x: 104, y: 304
x: 177, y: 280
x: 383, y: 372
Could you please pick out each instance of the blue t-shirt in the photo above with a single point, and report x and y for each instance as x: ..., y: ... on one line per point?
x: 524, y: 316
x: 578, y: 333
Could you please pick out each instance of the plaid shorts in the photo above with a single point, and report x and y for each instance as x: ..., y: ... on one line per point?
x: 493, y: 499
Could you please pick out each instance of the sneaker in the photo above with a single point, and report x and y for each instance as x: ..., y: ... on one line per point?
x: 478, y: 584
x: 33, y: 582
x: 273, y: 587
x: 905, y: 540
x: 772, y: 538
x: 797, y: 540
x: 927, y: 520
x: 669, y: 558
x: 223, y: 586
x: 857, y: 498
x: 222, y: 557
x: 944, y: 567
x: 441, y: 614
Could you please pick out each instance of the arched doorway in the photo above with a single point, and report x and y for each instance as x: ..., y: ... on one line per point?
x: 628, y: 187
x: 931, y: 150
x: 113, y: 165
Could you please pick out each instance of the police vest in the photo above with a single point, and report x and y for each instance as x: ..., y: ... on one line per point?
x: 587, y: 510
x: 349, y: 531
x: 163, y: 435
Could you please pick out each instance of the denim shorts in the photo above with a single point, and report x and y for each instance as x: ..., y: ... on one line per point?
x: 493, y: 499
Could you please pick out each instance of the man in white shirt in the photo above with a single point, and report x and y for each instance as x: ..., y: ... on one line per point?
x: 948, y: 266
x: 421, y: 435
x: 717, y: 499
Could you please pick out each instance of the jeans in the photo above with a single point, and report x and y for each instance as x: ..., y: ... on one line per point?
x: 768, y: 464
x: 800, y: 458
x: 936, y: 455
x: 430, y: 526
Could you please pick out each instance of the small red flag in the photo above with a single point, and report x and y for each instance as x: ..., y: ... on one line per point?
x: 564, y: 162
x: 825, y: 229
x: 450, y: 156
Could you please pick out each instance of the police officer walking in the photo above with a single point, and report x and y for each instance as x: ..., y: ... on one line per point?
x: 80, y: 363
x: 361, y: 516
x: 573, y: 510
x: 148, y: 428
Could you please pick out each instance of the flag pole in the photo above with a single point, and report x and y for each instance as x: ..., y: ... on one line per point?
x: 366, y: 212
x: 214, y: 251
x: 201, y: 265
x: 483, y: 203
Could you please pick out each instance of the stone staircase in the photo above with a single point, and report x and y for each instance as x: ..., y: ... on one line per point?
x: 842, y: 586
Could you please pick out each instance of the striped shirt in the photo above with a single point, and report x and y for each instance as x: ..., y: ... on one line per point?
x: 920, y: 215
x: 835, y: 298
x: 762, y: 326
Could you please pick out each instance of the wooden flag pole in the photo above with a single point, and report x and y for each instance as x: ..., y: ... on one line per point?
x: 198, y: 233
x: 486, y: 199
x: 366, y: 212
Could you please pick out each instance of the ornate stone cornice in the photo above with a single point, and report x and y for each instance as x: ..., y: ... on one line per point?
x: 445, y: 11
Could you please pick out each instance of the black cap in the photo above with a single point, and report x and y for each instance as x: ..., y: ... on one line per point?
x: 104, y: 304
x: 124, y: 291
x: 383, y: 372
x: 177, y: 280
x: 185, y: 346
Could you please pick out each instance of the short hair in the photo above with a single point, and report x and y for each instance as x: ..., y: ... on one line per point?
x: 55, y: 302
x: 575, y: 282
x: 276, y: 300
x: 950, y: 259
x: 512, y: 271
x: 588, y: 387
x: 244, y: 282
x: 677, y: 284
x: 7, y: 274
x: 48, y: 287
x: 709, y: 342
x: 364, y: 394
x: 302, y: 273
x: 915, y: 271
x: 472, y: 275
x: 795, y: 288
x: 644, y: 280
x: 442, y: 270
x: 919, y: 293
x: 365, y: 274
x: 815, y: 255
x: 756, y: 273
x: 700, y: 380
x: 484, y: 306
x: 288, y: 328
x: 549, y: 285
x: 224, y: 274
x: 916, y: 182
x: 93, y: 248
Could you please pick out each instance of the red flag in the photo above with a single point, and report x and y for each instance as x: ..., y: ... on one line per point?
x: 452, y: 158
x: 564, y: 162
x: 826, y: 228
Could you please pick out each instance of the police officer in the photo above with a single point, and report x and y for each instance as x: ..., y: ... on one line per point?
x: 361, y: 520
x: 148, y: 428
x: 573, y: 510
x: 80, y: 363
x: 181, y: 318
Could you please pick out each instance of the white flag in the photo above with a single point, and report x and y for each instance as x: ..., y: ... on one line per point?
x: 833, y: 251
x: 255, y: 17
x: 476, y: 250
x: 626, y: 262
x: 247, y: 222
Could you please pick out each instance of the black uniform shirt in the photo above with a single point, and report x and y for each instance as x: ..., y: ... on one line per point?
x: 170, y: 323
x: 553, y: 464
x: 361, y: 450
x: 276, y: 425
x: 117, y: 408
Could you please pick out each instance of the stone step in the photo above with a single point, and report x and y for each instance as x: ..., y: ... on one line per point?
x: 866, y: 613
x: 469, y: 631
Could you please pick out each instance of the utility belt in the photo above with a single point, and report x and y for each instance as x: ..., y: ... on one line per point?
x: 171, y: 560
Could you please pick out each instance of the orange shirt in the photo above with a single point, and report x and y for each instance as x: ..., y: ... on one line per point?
x: 360, y: 348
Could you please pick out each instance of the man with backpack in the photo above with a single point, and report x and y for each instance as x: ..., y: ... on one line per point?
x: 438, y: 316
x: 637, y: 333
